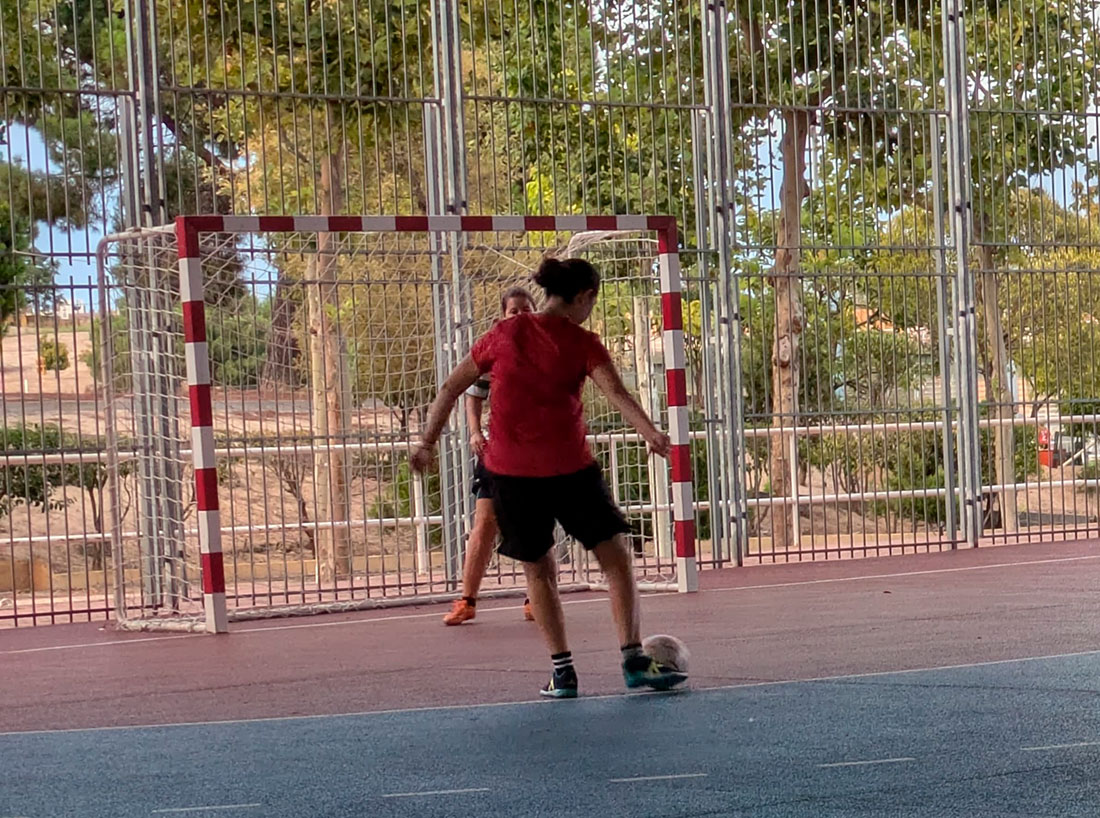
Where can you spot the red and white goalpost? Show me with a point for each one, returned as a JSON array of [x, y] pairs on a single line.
[[204, 464], [133, 278]]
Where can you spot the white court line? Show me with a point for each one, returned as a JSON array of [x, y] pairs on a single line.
[[925, 572], [656, 778], [867, 763], [1061, 746], [397, 711], [601, 599], [274, 628], [434, 792], [210, 808], [103, 644]]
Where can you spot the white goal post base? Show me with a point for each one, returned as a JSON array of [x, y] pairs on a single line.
[[199, 624]]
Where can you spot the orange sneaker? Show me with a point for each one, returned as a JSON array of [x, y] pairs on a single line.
[[527, 614], [459, 613]]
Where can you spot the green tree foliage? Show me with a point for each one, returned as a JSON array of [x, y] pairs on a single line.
[[237, 336], [397, 498], [851, 357], [32, 484], [47, 51], [1050, 303], [25, 274], [44, 486], [392, 345], [237, 339]]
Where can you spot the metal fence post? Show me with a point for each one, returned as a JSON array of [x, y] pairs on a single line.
[[720, 147], [442, 316], [142, 48], [713, 384], [964, 314], [162, 505], [448, 74], [943, 327], [112, 491], [451, 180], [129, 175], [420, 511]]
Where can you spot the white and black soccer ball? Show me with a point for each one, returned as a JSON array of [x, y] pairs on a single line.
[[668, 650]]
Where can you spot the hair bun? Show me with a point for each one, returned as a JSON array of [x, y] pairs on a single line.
[[549, 271], [566, 278]]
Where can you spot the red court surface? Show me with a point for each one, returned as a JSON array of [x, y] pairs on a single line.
[[752, 625]]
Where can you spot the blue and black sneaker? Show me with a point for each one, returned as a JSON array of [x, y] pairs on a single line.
[[562, 685], [640, 670]]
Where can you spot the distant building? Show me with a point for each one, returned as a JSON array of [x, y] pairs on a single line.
[[60, 308]]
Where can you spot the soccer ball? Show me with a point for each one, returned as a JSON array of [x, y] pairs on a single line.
[[668, 650]]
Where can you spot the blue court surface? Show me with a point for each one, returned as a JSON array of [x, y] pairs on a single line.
[[1012, 738]]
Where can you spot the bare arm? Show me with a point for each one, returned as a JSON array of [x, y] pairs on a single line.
[[457, 382], [608, 380], [474, 406], [473, 413]]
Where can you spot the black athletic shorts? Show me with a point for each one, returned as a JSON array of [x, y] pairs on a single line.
[[526, 508], [482, 484]]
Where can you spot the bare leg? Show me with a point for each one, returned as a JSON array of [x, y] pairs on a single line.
[[614, 559], [479, 548], [542, 588]]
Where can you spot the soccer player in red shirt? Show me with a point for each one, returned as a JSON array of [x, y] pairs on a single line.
[[541, 464]]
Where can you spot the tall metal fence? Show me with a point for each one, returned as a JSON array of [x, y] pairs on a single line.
[[890, 243]]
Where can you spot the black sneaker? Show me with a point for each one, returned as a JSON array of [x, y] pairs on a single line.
[[562, 685], [643, 671]]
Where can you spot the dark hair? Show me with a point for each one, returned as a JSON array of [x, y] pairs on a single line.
[[567, 277], [514, 292]]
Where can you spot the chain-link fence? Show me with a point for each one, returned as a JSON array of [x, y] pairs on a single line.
[[889, 239]]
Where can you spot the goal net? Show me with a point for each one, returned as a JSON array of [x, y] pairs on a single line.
[[267, 376]]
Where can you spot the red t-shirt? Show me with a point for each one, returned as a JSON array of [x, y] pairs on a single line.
[[539, 363]]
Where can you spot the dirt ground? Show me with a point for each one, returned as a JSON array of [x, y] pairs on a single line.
[[19, 371]]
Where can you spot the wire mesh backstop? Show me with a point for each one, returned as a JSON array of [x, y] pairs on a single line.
[[266, 384]]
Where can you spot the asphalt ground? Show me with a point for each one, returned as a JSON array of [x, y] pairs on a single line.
[[963, 683]]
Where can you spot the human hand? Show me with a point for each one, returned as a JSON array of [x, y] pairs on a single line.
[[422, 458], [658, 443], [477, 443]]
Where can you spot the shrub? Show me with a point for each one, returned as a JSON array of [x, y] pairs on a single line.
[[53, 355], [396, 498], [1090, 472]]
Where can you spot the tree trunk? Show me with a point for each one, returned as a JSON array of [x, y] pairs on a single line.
[[788, 324], [1004, 435], [95, 499], [282, 346], [290, 473], [329, 385]]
